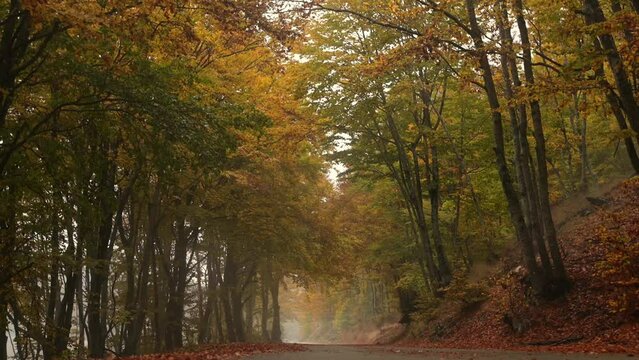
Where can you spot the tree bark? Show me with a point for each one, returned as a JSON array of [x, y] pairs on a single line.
[[159, 301], [519, 124], [99, 255], [550, 235], [230, 282], [408, 187], [13, 45], [4, 325], [409, 180], [617, 109], [594, 15], [133, 330], [79, 294], [276, 330], [264, 296], [621, 122], [63, 311], [250, 310], [54, 293], [218, 303], [498, 133], [177, 285], [432, 178], [204, 329]]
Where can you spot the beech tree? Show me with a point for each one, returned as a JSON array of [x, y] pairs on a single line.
[[456, 36], [168, 170]]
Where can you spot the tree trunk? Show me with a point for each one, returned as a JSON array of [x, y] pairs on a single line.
[[135, 325], [407, 299], [250, 308], [99, 276], [4, 325], [498, 133], [159, 302], [405, 180], [238, 314], [177, 286], [97, 330], [230, 282], [567, 149], [615, 5], [434, 195], [14, 44], [432, 178], [54, 293], [550, 235], [409, 180], [578, 124], [276, 330], [79, 294], [617, 110], [204, 328], [264, 296], [218, 303], [63, 313], [228, 314], [621, 122], [176, 271], [235, 310], [519, 124], [594, 15]]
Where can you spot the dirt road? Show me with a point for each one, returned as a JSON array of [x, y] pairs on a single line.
[[337, 352]]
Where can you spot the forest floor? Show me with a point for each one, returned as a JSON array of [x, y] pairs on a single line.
[[359, 352], [222, 352], [600, 312], [354, 352]]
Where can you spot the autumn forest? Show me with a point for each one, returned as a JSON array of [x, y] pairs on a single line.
[[177, 175]]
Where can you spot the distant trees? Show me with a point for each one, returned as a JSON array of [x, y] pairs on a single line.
[[383, 75], [150, 178]]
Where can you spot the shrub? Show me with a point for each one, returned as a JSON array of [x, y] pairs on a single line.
[[469, 294]]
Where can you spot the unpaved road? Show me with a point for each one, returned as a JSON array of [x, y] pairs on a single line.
[[338, 352]]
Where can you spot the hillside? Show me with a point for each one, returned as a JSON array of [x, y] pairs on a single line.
[[600, 312]]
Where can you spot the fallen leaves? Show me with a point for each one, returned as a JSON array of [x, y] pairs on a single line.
[[599, 256], [220, 352]]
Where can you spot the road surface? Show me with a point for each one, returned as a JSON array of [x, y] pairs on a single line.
[[338, 352]]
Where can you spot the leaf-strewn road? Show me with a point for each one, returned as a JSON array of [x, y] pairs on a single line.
[[335, 352]]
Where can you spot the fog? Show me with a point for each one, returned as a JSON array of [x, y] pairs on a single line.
[[345, 313]]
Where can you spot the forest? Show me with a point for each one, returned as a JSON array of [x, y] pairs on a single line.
[[181, 173]]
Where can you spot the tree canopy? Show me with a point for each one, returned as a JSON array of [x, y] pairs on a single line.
[[167, 168]]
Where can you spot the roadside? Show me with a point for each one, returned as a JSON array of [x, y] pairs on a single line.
[[599, 235], [333, 352], [221, 352]]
